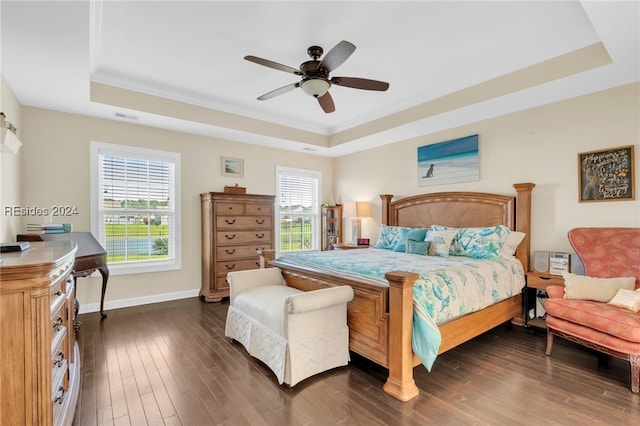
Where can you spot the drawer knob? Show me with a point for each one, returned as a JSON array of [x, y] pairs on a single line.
[[59, 293], [260, 222], [230, 222], [230, 251], [230, 266], [229, 237], [259, 235]]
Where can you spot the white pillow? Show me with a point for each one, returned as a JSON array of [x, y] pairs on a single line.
[[598, 289], [513, 241], [627, 299]]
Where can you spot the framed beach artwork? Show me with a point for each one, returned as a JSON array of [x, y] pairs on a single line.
[[232, 167], [450, 161], [606, 175]]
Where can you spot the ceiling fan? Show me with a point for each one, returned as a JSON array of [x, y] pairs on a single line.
[[315, 75]]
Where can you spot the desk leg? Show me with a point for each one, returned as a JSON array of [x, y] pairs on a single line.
[[104, 271]]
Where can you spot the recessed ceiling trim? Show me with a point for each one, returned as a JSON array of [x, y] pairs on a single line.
[[587, 58], [137, 101]]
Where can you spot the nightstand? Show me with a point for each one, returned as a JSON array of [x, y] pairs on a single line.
[[349, 246], [537, 281]]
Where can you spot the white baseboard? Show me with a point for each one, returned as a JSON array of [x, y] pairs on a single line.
[[137, 301]]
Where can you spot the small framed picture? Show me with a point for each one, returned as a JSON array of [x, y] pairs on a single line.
[[606, 175], [232, 167]]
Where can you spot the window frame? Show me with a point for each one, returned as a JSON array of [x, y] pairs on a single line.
[[316, 210], [97, 149]]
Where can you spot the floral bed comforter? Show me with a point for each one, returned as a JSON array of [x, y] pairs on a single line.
[[448, 287]]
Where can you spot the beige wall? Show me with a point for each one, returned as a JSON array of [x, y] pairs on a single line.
[[55, 171], [9, 167], [538, 145]]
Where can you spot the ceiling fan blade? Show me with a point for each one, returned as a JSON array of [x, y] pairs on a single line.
[[326, 102], [280, 91], [337, 55], [360, 83], [271, 64]]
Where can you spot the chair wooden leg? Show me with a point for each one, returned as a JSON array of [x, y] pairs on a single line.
[[634, 363], [549, 342]]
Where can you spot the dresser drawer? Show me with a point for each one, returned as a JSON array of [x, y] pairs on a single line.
[[244, 222], [59, 361], [57, 290], [237, 265], [225, 267], [236, 252], [542, 282], [229, 208], [231, 237], [259, 209], [222, 285], [58, 324]]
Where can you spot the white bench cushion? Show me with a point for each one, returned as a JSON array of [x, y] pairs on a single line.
[[266, 305]]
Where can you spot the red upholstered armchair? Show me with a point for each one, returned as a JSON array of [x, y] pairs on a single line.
[[606, 253]]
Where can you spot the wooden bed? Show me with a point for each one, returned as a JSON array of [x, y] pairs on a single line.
[[380, 318]]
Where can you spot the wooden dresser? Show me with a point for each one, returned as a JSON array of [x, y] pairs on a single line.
[[39, 355], [234, 228]]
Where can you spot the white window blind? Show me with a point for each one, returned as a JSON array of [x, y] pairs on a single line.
[[299, 209], [136, 205]]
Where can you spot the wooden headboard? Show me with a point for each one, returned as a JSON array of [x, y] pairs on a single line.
[[465, 209]]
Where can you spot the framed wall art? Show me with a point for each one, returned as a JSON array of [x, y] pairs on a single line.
[[232, 167], [606, 175], [450, 161]]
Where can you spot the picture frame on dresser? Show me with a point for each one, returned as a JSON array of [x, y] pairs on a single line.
[[606, 175]]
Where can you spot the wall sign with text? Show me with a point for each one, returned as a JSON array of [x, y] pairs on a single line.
[[606, 175]]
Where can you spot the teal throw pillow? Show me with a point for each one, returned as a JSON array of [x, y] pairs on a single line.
[[417, 247], [409, 234]]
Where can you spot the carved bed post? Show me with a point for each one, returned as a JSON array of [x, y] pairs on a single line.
[[523, 221], [386, 203], [400, 383]]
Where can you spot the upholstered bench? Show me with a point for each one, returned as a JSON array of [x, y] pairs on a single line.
[[296, 334]]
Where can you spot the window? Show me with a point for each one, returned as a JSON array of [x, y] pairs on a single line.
[[299, 209], [135, 207]]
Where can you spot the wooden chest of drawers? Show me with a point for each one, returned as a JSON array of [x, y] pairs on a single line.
[[234, 228], [40, 372]]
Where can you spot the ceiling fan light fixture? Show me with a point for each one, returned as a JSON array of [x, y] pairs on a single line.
[[315, 86]]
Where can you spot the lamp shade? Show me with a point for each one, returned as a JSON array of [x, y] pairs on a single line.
[[363, 209]]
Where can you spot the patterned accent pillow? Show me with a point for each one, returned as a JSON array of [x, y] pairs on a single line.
[[478, 243], [388, 236], [409, 234], [418, 247], [440, 241]]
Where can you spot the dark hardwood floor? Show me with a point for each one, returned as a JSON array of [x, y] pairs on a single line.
[[170, 364]]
